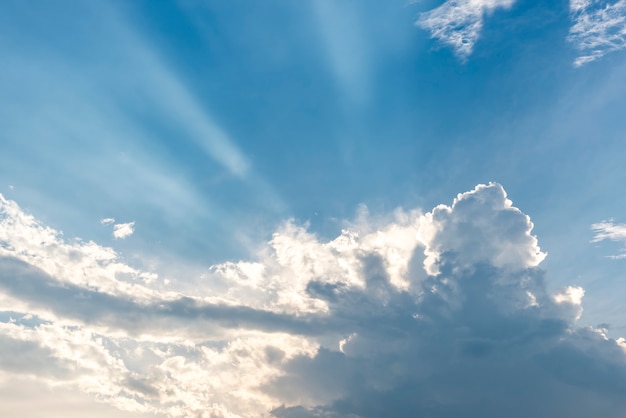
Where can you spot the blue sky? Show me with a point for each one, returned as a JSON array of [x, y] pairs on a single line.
[[230, 154]]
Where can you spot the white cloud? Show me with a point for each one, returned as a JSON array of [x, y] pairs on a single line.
[[122, 231], [459, 23], [608, 230], [599, 28], [372, 323], [107, 221], [471, 229]]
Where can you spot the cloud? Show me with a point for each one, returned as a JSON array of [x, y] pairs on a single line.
[[599, 28], [439, 314], [122, 231], [471, 229], [608, 230], [458, 23], [482, 337]]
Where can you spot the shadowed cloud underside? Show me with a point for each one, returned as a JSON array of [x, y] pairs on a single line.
[[441, 314]]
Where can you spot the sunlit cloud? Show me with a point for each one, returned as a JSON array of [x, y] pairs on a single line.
[[402, 314]]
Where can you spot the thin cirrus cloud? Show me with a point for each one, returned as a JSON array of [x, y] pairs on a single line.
[[599, 28], [458, 23], [441, 314], [609, 230]]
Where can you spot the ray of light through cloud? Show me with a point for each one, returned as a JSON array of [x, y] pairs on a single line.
[[346, 46], [100, 113], [298, 210]]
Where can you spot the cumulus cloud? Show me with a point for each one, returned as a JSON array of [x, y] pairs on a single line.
[[441, 314], [599, 27], [121, 231], [608, 230], [458, 23]]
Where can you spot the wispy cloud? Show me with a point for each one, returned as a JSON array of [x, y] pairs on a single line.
[[458, 23], [608, 230], [410, 314], [599, 28]]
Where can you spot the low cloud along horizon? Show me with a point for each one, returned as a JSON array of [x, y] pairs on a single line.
[[437, 314]]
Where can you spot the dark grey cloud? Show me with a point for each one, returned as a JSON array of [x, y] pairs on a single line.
[[92, 306], [478, 341], [437, 315]]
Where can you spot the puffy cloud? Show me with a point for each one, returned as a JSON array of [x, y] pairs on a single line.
[[608, 230], [458, 23], [599, 28], [480, 226], [482, 337], [439, 314], [121, 231]]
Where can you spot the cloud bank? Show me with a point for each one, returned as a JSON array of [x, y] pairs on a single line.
[[441, 314], [599, 28], [458, 23]]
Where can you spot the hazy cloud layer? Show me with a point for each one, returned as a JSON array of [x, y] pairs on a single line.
[[442, 314], [458, 23], [599, 27]]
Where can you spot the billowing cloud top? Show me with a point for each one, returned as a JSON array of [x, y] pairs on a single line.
[[472, 229], [377, 322]]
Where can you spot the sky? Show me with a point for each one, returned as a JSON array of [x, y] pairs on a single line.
[[321, 208]]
